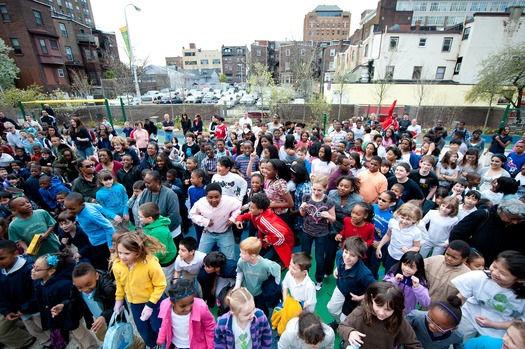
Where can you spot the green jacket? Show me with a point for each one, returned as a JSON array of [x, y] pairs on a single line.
[[160, 230]]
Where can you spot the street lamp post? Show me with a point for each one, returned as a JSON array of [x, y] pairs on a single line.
[[133, 66], [321, 87]]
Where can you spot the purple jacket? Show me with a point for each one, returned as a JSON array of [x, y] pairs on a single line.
[[201, 325], [412, 295], [259, 328]]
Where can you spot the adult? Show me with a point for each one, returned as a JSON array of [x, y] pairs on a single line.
[[343, 169], [287, 151], [498, 143], [81, 138], [122, 148], [197, 125], [275, 124], [465, 134], [47, 119], [107, 163], [168, 126], [323, 165], [185, 123], [337, 134], [152, 129], [87, 181], [494, 171], [245, 120], [166, 199], [438, 133], [404, 123], [4, 119], [49, 110], [495, 230], [5, 159], [358, 129], [141, 136], [476, 141], [439, 126], [52, 131], [221, 130], [33, 123], [414, 128], [372, 181], [14, 139], [149, 160]]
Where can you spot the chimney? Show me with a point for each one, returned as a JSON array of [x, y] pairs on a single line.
[[192, 46]]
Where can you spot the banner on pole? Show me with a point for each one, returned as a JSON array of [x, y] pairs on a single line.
[[125, 36]]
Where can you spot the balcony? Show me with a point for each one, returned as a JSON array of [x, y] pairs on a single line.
[[86, 38]]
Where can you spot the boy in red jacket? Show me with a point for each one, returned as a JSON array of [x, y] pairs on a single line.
[[275, 235]]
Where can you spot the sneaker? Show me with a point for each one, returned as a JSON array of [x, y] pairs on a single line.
[[334, 325], [318, 286]]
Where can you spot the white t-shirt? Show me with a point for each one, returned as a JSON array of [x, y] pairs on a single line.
[[416, 129], [495, 198], [322, 168], [439, 228], [243, 338], [192, 267], [462, 213], [487, 298], [180, 327], [303, 291], [401, 238]]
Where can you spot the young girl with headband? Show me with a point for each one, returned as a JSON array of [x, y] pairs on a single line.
[[186, 320]]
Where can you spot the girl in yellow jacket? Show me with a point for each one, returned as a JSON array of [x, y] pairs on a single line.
[[139, 277]]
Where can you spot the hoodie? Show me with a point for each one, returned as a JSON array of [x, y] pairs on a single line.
[[160, 229], [49, 195]]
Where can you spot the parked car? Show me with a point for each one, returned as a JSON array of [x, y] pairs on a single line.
[[247, 99], [147, 100]]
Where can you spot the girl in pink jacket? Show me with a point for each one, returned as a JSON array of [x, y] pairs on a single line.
[[186, 320]]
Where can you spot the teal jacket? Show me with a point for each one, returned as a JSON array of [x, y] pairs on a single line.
[[160, 230]]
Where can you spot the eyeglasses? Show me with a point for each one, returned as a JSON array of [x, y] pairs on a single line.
[[381, 199], [442, 330], [88, 166], [37, 269]]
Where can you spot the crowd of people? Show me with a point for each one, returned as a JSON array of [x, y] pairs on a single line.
[[425, 243]]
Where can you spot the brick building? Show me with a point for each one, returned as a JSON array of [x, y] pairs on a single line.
[[326, 23], [234, 63], [266, 53]]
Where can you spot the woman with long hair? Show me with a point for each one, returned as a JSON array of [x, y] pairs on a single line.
[[81, 138], [185, 123], [323, 165]]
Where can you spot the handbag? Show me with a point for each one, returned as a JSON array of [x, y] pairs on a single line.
[[120, 334]]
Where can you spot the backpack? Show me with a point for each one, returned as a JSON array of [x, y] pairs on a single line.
[[120, 334], [222, 307]]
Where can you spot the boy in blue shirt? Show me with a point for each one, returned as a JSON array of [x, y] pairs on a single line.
[[196, 191], [97, 227]]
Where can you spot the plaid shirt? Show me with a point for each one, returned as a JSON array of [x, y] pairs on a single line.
[[209, 165], [300, 190]]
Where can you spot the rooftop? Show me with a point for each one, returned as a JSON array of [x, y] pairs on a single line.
[[325, 8]]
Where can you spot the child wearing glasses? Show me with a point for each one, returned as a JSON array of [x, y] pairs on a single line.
[[437, 328], [186, 319]]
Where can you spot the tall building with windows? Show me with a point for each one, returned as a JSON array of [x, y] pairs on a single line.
[[326, 23], [194, 58], [266, 53], [78, 10], [234, 63]]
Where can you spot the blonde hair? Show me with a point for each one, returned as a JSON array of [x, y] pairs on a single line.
[[409, 210], [251, 245], [236, 299], [144, 245], [520, 326], [453, 203], [323, 180]]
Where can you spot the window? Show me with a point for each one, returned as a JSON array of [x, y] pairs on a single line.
[[440, 73], [216, 61], [38, 17], [16, 46], [190, 62], [479, 6], [389, 74], [240, 51], [287, 52], [188, 54], [53, 44], [366, 50], [394, 40], [416, 73], [420, 6], [43, 46], [63, 29], [4, 13], [204, 62], [60, 73], [438, 6], [447, 45], [332, 52], [466, 33], [422, 42], [458, 6], [286, 66], [59, 2], [457, 68], [69, 54], [87, 53], [258, 53]]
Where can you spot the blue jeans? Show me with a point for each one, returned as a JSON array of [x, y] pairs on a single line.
[[149, 329], [84, 153], [168, 136], [320, 247], [225, 241], [373, 263]]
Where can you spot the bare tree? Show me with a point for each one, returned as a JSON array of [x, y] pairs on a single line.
[[260, 80], [341, 78], [80, 83]]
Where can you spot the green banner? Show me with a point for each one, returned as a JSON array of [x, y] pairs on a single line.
[[125, 35]]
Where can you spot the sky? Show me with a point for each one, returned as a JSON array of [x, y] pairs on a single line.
[[163, 27]]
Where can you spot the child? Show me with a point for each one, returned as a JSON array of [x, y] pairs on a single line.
[[189, 261], [409, 276], [218, 273], [98, 229], [253, 270], [52, 273], [276, 236], [139, 278], [378, 322], [5, 211], [307, 331], [196, 191], [61, 198], [398, 189], [48, 191], [15, 182], [242, 161], [437, 328], [403, 234], [113, 198], [492, 300], [514, 338], [244, 326], [440, 223], [133, 202], [359, 223], [19, 169], [233, 185], [186, 320], [28, 223], [318, 211], [256, 186], [475, 260], [458, 189], [16, 290], [352, 279], [447, 169], [47, 158], [473, 180], [441, 269], [158, 226], [221, 148], [209, 163], [72, 236], [469, 205]]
